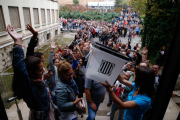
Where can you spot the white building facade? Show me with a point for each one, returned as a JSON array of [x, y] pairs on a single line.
[[42, 15]]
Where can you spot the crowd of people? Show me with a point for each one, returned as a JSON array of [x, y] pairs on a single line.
[[54, 91]]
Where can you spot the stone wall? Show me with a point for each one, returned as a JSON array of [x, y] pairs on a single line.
[[6, 51]]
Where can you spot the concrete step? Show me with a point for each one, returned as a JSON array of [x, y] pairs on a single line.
[[97, 117]]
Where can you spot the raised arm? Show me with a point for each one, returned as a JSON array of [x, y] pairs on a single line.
[[21, 80], [123, 81], [74, 62], [81, 55], [117, 101], [51, 65], [33, 42]]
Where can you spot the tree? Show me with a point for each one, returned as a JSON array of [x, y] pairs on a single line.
[[139, 5], [159, 24], [76, 2], [117, 3]]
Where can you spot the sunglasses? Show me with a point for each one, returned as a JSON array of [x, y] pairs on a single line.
[[69, 75]]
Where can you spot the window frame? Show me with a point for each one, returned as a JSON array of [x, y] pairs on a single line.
[[1, 7], [29, 16], [43, 24], [36, 25], [18, 16]]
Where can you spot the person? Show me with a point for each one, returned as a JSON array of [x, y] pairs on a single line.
[[121, 92], [144, 53], [157, 75], [137, 58], [139, 99], [129, 46], [162, 56], [67, 57], [28, 82], [59, 49], [66, 92], [95, 93]]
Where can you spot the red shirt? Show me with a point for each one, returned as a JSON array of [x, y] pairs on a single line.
[[59, 51]]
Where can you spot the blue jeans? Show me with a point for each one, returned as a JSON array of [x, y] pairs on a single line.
[[110, 101], [92, 113], [113, 110]]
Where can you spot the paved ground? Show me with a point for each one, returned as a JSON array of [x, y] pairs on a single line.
[[171, 113]]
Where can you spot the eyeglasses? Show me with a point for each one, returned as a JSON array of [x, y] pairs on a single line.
[[69, 75]]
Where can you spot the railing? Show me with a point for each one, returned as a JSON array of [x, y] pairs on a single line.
[[6, 88]]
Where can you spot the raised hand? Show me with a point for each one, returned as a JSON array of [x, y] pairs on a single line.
[[70, 51], [107, 86], [53, 46], [16, 37], [35, 33]]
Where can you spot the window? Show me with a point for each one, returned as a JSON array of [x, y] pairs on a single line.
[[48, 36], [27, 17], [57, 18], [43, 18], [2, 25], [14, 17], [52, 12], [48, 16], [36, 16]]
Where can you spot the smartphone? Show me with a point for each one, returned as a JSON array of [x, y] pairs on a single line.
[[49, 71]]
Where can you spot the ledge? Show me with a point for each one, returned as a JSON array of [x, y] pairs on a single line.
[[49, 23], [37, 25], [44, 24], [3, 33]]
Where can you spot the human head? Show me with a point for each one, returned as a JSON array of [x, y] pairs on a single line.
[[59, 47], [40, 55], [145, 64], [164, 47], [156, 69], [55, 61], [34, 67], [56, 55], [127, 75], [144, 79], [136, 44], [64, 53], [80, 62], [65, 71]]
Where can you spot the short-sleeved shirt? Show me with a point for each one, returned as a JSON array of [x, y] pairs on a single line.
[[144, 103], [97, 90]]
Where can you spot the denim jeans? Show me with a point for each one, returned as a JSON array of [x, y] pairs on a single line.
[[110, 101], [92, 113], [113, 110]]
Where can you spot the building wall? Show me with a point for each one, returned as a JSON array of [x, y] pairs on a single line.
[[6, 42], [81, 2]]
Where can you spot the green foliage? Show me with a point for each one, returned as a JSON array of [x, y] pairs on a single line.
[[88, 15], [117, 3], [139, 5], [76, 2], [159, 24]]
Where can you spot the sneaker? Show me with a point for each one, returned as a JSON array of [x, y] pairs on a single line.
[[108, 114], [109, 104]]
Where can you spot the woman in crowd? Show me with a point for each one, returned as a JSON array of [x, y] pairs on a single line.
[[66, 92], [28, 82], [144, 53], [139, 99]]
